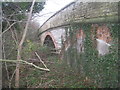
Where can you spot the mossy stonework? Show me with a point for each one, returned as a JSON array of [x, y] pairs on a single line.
[[102, 69], [90, 39]]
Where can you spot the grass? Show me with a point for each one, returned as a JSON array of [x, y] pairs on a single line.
[[60, 76]]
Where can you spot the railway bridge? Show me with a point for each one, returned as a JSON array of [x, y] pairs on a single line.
[[96, 14], [86, 34]]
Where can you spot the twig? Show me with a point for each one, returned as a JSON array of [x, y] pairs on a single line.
[[15, 14], [40, 60], [7, 28], [23, 61], [11, 78], [6, 67], [10, 51], [16, 35], [45, 69], [13, 36]]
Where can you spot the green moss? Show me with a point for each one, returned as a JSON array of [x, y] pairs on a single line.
[[106, 19], [103, 70]]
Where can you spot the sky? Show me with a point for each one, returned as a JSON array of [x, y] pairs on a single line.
[[53, 6], [50, 8]]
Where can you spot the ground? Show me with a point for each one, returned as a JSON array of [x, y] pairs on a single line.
[[60, 76]]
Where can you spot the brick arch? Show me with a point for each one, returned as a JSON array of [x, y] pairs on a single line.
[[103, 37], [52, 37], [103, 33], [80, 34]]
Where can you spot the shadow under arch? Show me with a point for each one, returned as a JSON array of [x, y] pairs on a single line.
[[49, 40]]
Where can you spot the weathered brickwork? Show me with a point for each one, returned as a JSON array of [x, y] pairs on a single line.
[[90, 12], [86, 35]]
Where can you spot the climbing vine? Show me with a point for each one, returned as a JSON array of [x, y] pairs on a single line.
[[103, 70]]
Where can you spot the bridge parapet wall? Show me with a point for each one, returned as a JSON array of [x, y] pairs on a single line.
[[89, 12]]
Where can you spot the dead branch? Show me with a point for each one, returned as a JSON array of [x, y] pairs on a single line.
[[10, 51], [8, 28], [11, 78], [6, 67], [23, 61], [41, 60], [13, 35], [16, 35], [45, 69]]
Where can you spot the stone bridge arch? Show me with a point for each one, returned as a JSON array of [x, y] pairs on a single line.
[[48, 39], [80, 13]]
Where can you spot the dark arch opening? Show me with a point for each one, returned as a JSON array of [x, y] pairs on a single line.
[[49, 42]]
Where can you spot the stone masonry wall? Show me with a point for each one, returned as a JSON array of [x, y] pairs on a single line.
[[89, 12]]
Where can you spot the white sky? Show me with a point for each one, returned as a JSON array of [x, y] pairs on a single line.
[[50, 8]]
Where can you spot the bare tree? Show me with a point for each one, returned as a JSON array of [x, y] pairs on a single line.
[[20, 47]]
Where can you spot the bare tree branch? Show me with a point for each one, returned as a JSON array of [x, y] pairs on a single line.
[[41, 60], [23, 61], [20, 47], [11, 78], [8, 28], [13, 36], [6, 67]]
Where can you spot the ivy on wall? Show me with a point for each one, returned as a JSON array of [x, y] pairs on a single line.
[[103, 70]]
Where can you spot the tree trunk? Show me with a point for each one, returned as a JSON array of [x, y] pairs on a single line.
[[20, 47], [17, 68]]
